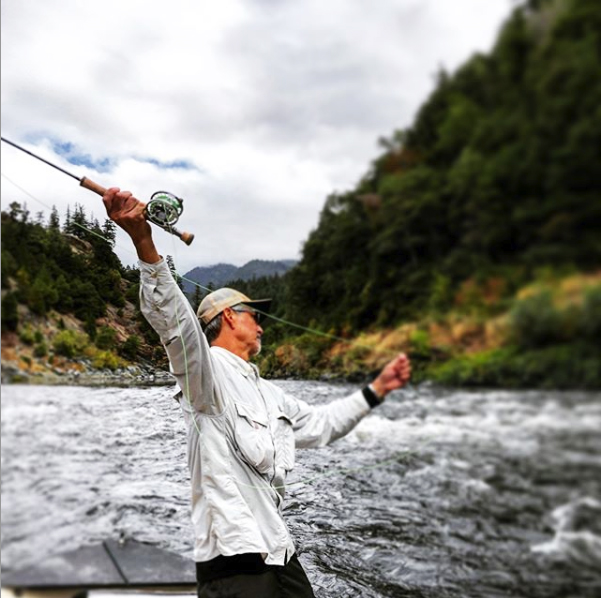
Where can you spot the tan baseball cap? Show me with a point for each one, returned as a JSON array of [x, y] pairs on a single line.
[[214, 303]]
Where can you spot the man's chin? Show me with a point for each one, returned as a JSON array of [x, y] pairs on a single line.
[[257, 349]]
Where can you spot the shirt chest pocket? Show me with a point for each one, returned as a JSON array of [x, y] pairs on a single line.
[[284, 442], [253, 438]]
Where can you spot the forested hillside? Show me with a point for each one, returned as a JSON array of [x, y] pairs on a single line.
[[66, 296], [474, 239], [498, 177]]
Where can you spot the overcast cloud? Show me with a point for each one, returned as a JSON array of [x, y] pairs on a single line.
[[253, 111]]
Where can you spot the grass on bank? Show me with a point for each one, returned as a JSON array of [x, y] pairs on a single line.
[[547, 335]]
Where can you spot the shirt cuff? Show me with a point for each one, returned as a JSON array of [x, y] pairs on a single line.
[[371, 397], [149, 272]]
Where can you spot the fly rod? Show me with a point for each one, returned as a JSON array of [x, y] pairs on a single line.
[[163, 209]]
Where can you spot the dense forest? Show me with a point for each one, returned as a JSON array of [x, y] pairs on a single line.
[[473, 240], [70, 269], [498, 177], [486, 210]]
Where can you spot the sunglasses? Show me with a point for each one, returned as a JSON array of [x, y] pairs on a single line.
[[257, 317]]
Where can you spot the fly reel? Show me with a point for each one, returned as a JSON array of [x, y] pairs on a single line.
[[164, 209]]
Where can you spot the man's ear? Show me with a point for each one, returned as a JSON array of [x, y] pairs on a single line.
[[228, 317]]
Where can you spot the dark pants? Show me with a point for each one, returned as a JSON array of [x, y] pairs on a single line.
[[247, 576]]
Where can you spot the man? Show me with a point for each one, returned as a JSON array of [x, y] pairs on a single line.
[[242, 430]]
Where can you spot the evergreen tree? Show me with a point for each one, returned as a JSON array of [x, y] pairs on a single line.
[[176, 276], [54, 220]]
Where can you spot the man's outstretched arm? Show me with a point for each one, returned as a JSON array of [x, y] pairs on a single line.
[[316, 426]]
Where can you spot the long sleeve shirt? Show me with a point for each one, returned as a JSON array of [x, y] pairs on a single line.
[[242, 430]]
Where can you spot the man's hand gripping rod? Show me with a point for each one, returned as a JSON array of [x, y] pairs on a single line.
[[163, 209]]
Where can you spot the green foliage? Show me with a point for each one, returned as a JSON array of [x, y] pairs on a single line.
[[535, 322], [40, 350], [440, 293], [129, 349], [420, 345], [42, 294], [106, 360], [559, 366], [106, 338], [49, 274], [90, 327], [27, 335], [10, 312], [9, 268], [69, 343], [500, 170], [590, 316]]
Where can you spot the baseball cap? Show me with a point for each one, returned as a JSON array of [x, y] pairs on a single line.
[[214, 303]]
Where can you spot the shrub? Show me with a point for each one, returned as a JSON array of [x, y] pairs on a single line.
[[90, 327], [40, 350], [535, 322], [560, 366], [106, 360], [69, 343], [590, 316], [10, 313], [420, 344], [129, 349], [26, 335], [106, 338]]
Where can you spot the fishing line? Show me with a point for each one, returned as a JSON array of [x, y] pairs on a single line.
[[199, 285], [89, 230], [167, 227], [267, 487], [341, 471]]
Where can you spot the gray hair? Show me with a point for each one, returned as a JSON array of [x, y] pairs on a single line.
[[213, 328]]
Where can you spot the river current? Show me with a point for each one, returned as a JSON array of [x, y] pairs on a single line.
[[437, 493]]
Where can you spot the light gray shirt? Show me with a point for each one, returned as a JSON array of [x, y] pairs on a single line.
[[242, 430]]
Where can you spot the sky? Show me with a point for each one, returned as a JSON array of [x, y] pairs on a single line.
[[252, 111]]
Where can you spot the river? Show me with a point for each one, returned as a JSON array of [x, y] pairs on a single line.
[[437, 493]]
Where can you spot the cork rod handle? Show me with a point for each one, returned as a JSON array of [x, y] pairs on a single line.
[[92, 186]]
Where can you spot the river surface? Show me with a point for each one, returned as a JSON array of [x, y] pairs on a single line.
[[437, 493]]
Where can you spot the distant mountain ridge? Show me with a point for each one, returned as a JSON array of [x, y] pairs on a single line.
[[221, 274]]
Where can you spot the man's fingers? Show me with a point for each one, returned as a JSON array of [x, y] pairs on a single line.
[[121, 204], [403, 367]]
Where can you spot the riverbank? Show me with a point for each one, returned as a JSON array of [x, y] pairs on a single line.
[[21, 367], [544, 336], [123, 377]]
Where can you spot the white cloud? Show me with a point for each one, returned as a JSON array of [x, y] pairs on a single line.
[[275, 104]]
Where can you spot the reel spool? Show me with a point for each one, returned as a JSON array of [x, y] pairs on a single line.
[[164, 209]]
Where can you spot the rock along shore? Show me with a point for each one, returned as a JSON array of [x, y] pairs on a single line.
[[134, 375]]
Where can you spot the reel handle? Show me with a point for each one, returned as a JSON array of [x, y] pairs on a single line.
[[187, 238]]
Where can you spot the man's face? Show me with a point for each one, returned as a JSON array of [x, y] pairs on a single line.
[[249, 330]]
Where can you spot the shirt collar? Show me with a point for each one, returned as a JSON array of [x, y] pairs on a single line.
[[244, 367]]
